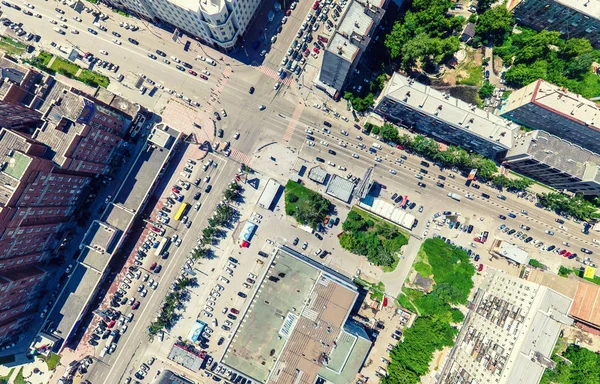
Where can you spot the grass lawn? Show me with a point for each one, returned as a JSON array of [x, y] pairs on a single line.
[[52, 361], [468, 72], [60, 64], [377, 290], [11, 46], [20, 379], [99, 79], [45, 57], [4, 379], [306, 206]]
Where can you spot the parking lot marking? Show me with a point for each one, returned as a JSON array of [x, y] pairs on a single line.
[[293, 121], [240, 156]]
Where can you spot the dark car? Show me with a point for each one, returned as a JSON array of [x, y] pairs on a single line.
[[217, 116], [512, 215], [476, 186], [153, 57], [327, 124], [560, 221], [296, 240], [502, 217], [208, 188], [587, 251], [221, 341], [440, 184], [485, 195], [116, 34], [251, 90], [165, 255], [161, 53], [423, 171], [422, 185], [180, 68], [234, 311], [92, 31], [442, 177], [197, 196], [231, 316], [550, 248], [242, 295], [132, 41], [233, 260], [331, 152], [318, 236], [424, 164], [320, 160], [263, 254], [220, 132], [158, 269]]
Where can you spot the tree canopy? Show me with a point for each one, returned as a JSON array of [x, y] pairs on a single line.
[[584, 367], [306, 206], [495, 23]]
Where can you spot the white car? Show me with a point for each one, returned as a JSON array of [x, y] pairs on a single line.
[[208, 309], [52, 21], [310, 143], [116, 41], [342, 144], [224, 113], [77, 18], [29, 5], [331, 163], [355, 155], [359, 137], [144, 293], [341, 168], [236, 136], [378, 159], [326, 144], [102, 51], [344, 132], [74, 31], [392, 171], [207, 314], [309, 131], [206, 72]]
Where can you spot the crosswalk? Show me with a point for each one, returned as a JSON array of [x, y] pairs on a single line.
[[240, 156], [287, 136], [273, 74]]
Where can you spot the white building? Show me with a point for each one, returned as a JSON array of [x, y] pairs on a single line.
[[217, 22]]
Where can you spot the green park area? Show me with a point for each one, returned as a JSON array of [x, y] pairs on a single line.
[[68, 69], [435, 327], [306, 206], [368, 235], [11, 46]]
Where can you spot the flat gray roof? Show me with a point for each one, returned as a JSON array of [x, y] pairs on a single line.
[[560, 154], [185, 358], [342, 47], [74, 297], [317, 174], [468, 117], [94, 259], [340, 188], [355, 21]]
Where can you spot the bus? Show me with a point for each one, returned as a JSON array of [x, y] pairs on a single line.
[[182, 210], [161, 246]]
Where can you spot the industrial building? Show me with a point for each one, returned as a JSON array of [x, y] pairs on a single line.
[[509, 333], [445, 118], [345, 44], [548, 107], [555, 162], [572, 18], [218, 23], [301, 310], [340, 188]]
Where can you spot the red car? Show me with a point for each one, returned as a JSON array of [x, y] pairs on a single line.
[[340, 234], [568, 254], [480, 268], [306, 53], [175, 190], [86, 54], [316, 5], [288, 12], [136, 305], [203, 77], [233, 310], [153, 266], [385, 302], [192, 72], [562, 252], [316, 50], [478, 239], [399, 146], [111, 324]]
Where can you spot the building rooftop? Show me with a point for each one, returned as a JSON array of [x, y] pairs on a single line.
[[558, 100], [73, 299], [510, 251], [586, 304], [101, 237], [185, 358], [388, 211], [355, 21], [587, 7], [509, 334], [162, 135], [451, 110], [299, 311], [117, 102], [168, 377], [94, 259], [341, 188], [268, 194], [559, 154], [342, 47], [317, 174]]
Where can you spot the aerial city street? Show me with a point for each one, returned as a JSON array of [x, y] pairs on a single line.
[[329, 191]]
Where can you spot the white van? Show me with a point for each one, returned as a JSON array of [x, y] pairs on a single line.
[[211, 61], [376, 145], [175, 59]]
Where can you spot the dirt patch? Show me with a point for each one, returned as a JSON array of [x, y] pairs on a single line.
[[467, 71]]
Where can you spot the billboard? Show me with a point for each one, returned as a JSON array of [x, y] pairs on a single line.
[[589, 272], [472, 174]]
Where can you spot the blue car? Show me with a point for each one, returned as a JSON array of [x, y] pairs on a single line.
[[512, 215]]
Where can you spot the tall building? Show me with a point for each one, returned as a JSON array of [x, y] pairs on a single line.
[[544, 106], [572, 18], [407, 102], [347, 42], [219, 23], [555, 162]]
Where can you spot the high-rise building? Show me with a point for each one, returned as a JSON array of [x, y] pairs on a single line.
[[555, 162], [572, 18], [545, 106], [407, 102], [217, 22]]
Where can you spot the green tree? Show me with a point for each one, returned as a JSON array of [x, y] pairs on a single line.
[[576, 47], [389, 133], [496, 22], [486, 90]]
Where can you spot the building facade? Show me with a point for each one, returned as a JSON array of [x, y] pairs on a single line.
[[346, 43], [572, 18], [219, 23], [407, 102], [555, 162], [545, 106]]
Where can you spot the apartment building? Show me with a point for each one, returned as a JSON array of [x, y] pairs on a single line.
[[555, 162], [417, 106], [572, 18], [545, 106], [218, 23], [347, 43]]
